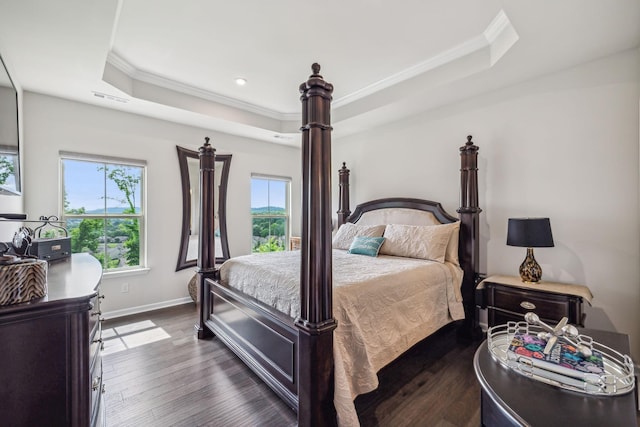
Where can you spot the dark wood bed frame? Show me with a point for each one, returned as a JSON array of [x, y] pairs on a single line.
[[295, 356]]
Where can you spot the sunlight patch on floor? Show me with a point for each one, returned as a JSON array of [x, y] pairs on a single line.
[[132, 335]]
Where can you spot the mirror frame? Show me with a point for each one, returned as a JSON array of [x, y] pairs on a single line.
[[225, 159], [9, 149]]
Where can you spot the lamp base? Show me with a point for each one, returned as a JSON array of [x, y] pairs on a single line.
[[530, 270]]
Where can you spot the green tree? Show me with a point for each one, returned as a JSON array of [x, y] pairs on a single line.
[[86, 236], [272, 245], [268, 232], [265, 227], [6, 169]]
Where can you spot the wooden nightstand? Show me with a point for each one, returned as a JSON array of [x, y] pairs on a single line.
[[294, 243], [507, 298]]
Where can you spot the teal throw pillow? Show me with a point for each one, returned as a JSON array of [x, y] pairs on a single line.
[[366, 245]]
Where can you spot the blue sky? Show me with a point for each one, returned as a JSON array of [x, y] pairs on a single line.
[[85, 187], [268, 193]]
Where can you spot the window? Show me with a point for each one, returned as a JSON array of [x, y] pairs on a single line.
[[103, 205], [9, 164], [270, 213]]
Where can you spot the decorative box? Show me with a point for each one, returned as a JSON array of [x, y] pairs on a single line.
[[22, 281], [50, 241], [51, 249]]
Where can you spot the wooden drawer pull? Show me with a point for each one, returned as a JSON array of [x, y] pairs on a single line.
[[528, 305]]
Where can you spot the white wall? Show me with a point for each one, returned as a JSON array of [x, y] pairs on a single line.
[[52, 124], [563, 146]]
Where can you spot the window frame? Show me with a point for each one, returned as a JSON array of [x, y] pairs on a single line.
[[287, 216], [102, 160], [13, 185]]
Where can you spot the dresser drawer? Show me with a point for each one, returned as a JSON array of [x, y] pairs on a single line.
[[500, 317], [95, 344], [512, 303], [96, 387]]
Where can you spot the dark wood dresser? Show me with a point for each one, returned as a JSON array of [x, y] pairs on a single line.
[[50, 362]]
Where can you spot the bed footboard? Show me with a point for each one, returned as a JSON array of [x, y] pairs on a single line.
[[264, 339]]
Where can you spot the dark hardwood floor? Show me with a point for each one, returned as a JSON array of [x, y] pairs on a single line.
[[158, 374]]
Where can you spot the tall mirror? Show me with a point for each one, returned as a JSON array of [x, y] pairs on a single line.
[[9, 152], [190, 178]]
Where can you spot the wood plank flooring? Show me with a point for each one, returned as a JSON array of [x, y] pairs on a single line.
[[157, 373]]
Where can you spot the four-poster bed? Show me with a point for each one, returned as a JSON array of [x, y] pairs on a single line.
[[295, 355]]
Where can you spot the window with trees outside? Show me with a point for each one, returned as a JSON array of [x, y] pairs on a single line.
[[103, 205], [8, 167], [270, 213]]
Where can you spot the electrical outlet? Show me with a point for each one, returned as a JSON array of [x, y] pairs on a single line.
[[124, 288]]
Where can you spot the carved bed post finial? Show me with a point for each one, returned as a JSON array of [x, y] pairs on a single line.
[[315, 67], [343, 201], [206, 246], [469, 213], [316, 323], [469, 176]]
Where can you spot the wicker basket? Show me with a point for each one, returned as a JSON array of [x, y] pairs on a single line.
[[22, 281]]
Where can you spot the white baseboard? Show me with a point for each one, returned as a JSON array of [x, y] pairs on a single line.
[[143, 308]]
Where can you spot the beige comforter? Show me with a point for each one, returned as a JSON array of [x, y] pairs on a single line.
[[383, 306]]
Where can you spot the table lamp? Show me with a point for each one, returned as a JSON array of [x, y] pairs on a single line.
[[530, 233]]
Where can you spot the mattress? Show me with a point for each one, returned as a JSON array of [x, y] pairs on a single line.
[[383, 306]]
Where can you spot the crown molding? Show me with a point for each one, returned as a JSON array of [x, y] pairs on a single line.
[[121, 64], [144, 76], [499, 24], [464, 49], [492, 33]]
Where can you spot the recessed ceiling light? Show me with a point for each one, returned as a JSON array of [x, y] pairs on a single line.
[[241, 81]]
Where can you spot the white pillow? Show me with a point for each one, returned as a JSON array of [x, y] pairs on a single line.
[[349, 231], [417, 241]]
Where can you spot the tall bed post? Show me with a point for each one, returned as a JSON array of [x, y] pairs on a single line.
[[316, 322], [206, 245], [343, 201], [469, 213]]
